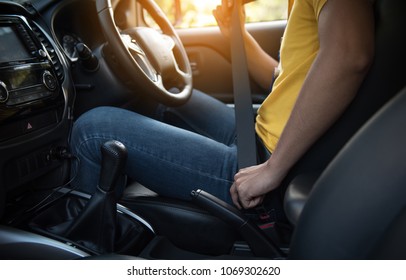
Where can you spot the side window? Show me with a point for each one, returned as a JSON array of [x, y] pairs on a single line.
[[198, 13]]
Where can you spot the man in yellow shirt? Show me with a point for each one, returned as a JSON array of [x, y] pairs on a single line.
[[325, 54]]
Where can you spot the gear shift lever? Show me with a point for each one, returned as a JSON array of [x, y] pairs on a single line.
[[95, 226]]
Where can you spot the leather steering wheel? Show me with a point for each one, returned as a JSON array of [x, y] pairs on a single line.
[[155, 61]]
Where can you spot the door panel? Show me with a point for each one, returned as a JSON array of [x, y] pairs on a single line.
[[209, 55]]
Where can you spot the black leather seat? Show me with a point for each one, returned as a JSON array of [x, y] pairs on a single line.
[[357, 207], [385, 78]]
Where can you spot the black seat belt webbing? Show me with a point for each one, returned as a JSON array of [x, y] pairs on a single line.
[[246, 141]]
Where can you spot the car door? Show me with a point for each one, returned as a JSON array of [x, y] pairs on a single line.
[[209, 51]]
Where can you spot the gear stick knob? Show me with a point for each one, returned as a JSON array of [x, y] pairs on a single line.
[[114, 157]]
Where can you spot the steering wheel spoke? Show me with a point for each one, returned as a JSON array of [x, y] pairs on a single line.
[[140, 57]]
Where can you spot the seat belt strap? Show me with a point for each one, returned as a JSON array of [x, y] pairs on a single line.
[[244, 116]]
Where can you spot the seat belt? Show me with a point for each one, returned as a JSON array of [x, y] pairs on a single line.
[[244, 117], [246, 139]]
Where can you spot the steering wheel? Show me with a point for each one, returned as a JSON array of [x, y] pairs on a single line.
[[155, 61]]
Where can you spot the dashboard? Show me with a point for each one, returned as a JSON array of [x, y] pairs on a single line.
[[45, 86], [30, 73], [36, 97]]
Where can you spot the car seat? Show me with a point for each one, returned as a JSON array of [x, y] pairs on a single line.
[[356, 209], [385, 79]]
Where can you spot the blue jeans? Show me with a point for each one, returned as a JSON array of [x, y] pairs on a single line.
[[185, 148]]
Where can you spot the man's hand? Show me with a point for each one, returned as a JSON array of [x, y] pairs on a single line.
[[260, 64], [222, 14], [252, 184]]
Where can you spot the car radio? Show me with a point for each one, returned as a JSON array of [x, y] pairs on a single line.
[[27, 74]]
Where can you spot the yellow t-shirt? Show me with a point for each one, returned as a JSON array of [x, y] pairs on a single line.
[[299, 48]]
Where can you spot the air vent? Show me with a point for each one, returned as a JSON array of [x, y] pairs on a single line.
[[51, 51]]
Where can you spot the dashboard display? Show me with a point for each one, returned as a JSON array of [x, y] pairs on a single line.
[[21, 77], [11, 47]]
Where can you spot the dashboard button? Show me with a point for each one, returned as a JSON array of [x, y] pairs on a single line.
[[49, 81], [3, 92], [42, 53]]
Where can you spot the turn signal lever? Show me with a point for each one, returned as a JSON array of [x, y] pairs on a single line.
[[89, 60], [259, 243], [95, 226]]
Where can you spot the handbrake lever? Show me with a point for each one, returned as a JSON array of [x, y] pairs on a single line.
[[259, 243]]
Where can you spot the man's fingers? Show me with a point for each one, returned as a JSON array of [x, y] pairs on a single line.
[[251, 202], [234, 196]]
